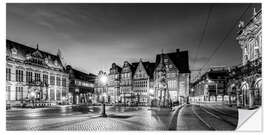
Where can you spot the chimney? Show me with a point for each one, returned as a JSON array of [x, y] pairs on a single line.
[[177, 50]]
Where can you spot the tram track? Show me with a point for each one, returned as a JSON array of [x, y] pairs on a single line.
[[211, 120], [201, 119], [218, 116], [223, 113]]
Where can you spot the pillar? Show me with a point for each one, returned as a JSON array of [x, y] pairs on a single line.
[[251, 98], [230, 100]]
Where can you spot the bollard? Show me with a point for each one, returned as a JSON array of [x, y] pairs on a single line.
[[103, 114]]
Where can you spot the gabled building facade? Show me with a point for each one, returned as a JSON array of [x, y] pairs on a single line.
[[35, 76], [142, 82], [126, 83], [171, 74], [114, 78]]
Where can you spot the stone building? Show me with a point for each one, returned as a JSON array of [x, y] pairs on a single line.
[[211, 86], [142, 82], [246, 79], [81, 86], [171, 78], [34, 76], [126, 94], [114, 78]]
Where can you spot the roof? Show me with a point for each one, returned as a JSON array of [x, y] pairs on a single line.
[[81, 75], [118, 68], [23, 51], [250, 21], [134, 67], [180, 60], [150, 68]]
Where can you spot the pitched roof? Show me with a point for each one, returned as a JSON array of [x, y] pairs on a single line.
[[23, 50], [81, 75], [150, 68], [134, 67], [180, 60], [118, 68]]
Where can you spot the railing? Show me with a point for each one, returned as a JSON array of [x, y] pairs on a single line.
[[251, 68]]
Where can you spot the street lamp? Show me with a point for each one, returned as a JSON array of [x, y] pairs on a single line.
[[33, 94], [192, 90], [103, 79]]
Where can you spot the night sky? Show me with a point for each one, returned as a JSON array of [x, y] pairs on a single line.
[[93, 36]]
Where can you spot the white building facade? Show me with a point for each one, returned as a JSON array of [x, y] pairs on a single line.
[[32, 74]]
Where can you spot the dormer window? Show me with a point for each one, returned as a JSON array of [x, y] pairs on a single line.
[[55, 63], [46, 60], [14, 51], [28, 56]]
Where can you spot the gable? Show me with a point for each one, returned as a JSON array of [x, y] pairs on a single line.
[[140, 72]]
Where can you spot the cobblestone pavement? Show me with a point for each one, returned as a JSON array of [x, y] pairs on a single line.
[[119, 118]]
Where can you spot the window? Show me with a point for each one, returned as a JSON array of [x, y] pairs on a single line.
[[64, 82], [8, 93], [19, 75], [165, 60], [45, 79], [58, 81], [58, 95], [28, 76], [37, 77], [8, 74], [52, 80], [52, 95], [19, 93]]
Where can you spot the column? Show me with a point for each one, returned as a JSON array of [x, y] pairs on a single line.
[[251, 98]]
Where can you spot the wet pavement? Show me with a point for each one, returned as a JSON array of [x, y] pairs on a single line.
[[207, 117], [87, 118]]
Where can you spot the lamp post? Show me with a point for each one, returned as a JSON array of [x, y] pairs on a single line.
[[33, 94], [103, 79], [151, 93], [192, 93]]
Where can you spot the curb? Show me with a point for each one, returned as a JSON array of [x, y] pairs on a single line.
[[173, 121]]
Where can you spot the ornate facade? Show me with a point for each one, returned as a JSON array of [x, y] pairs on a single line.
[[34, 75], [114, 83], [246, 79], [171, 78], [126, 94], [142, 82], [138, 83]]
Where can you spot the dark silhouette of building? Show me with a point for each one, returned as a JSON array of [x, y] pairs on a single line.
[[81, 86]]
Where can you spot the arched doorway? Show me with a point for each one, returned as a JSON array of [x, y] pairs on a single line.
[[232, 94], [258, 91], [244, 93]]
